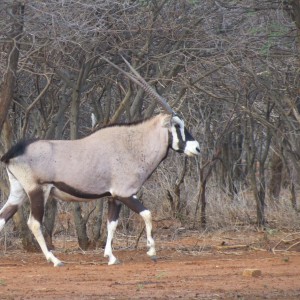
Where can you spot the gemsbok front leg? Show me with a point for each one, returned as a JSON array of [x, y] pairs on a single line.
[[134, 204], [38, 198], [114, 208]]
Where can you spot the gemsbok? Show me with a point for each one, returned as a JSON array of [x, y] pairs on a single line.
[[114, 161]]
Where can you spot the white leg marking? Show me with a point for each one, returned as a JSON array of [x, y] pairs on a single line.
[[17, 194], [146, 215], [2, 223], [46, 191], [111, 228], [16, 197], [35, 227]]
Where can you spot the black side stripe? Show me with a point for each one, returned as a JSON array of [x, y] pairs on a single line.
[[77, 193]]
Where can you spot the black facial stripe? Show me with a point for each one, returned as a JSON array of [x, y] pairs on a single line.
[[77, 193], [181, 142], [178, 132], [188, 136]]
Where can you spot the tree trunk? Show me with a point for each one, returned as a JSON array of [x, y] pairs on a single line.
[[176, 201], [204, 173], [293, 196], [276, 176], [294, 11], [256, 154], [49, 221], [80, 226], [260, 208], [180, 203], [136, 107], [97, 226], [293, 8], [201, 201], [6, 136], [8, 85], [259, 199], [203, 204]]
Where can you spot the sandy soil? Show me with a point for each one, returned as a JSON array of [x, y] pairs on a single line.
[[188, 267]]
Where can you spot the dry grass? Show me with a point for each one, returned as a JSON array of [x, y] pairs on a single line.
[[227, 213]]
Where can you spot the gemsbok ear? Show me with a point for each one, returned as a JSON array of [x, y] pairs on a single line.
[[167, 121], [177, 120]]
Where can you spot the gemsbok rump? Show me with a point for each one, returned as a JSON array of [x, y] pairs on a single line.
[[114, 161]]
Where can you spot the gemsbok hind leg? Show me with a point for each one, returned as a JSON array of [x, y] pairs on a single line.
[[134, 204], [16, 198], [38, 198], [114, 208]]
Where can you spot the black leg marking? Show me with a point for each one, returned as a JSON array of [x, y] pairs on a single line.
[[37, 204], [36, 197], [133, 203], [8, 212], [114, 208]]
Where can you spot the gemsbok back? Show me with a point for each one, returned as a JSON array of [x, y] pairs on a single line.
[[114, 161]]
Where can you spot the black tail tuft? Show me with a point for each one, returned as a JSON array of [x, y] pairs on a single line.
[[16, 150]]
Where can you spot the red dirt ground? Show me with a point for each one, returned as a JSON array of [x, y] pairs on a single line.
[[189, 267]]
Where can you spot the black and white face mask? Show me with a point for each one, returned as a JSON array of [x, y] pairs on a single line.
[[182, 140]]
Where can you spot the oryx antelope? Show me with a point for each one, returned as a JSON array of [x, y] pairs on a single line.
[[113, 161]]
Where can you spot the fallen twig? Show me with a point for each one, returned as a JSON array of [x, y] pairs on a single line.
[[229, 247], [286, 240]]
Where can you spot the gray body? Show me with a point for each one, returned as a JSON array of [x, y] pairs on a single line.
[[116, 159], [113, 161]]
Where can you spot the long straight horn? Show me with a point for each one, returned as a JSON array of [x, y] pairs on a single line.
[[147, 88], [138, 79]]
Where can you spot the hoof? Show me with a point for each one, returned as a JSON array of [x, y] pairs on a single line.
[[60, 264], [116, 262], [154, 258]]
